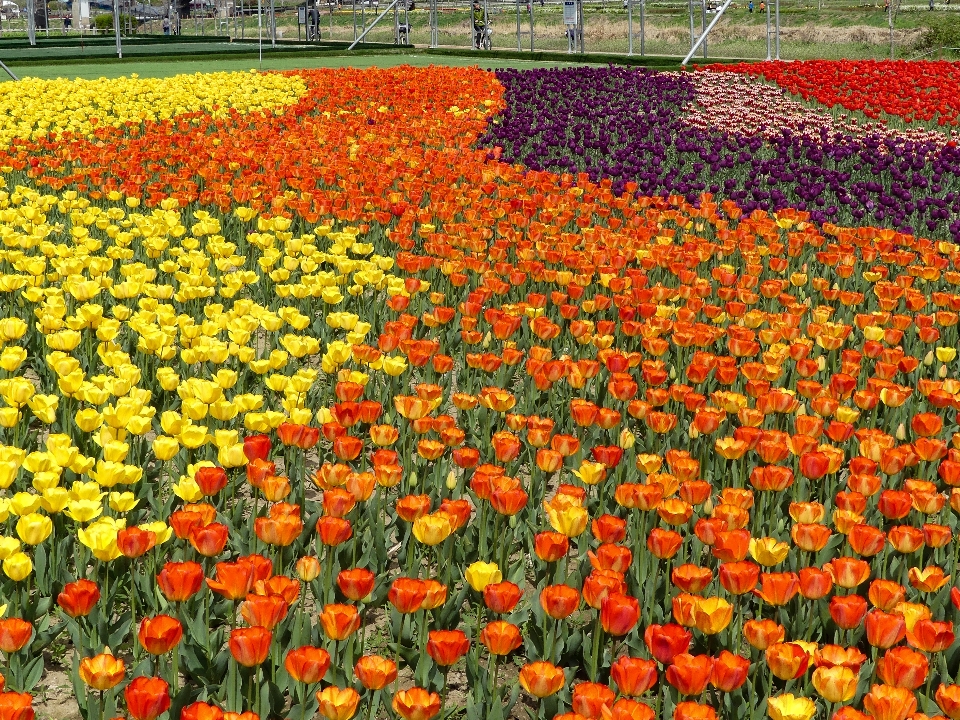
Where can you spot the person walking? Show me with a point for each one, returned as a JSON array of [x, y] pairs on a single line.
[[750, 7]]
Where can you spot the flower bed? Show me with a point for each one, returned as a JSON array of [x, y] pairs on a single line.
[[334, 406], [922, 90]]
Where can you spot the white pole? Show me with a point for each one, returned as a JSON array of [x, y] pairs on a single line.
[[116, 26], [31, 22], [768, 31], [630, 27], [778, 28], [643, 25], [260, 29]]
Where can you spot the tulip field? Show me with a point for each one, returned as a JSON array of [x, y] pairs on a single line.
[[582, 393]]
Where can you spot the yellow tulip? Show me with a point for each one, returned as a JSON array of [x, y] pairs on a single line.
[[571, 521], [165, 447], [34, 528], [232, 456], [193, 436], [431, 529], [480, 574], [86, 491], [8, 546], [24, 503], [53, 500], [122, 502], [18, 566], [12, 358], [768, 551], [789, 707], [187, 490], [946, 354], [9, 470], [83, 511], [591, 473], [101, 538], [160, 529], [9, 417], [394, 366]]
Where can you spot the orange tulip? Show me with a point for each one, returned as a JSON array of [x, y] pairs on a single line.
[[541, 679], [250, 646], [338, 703], [884, 702], [689, 674], [903, 667], [307, 664], [339, 621], [633, 676], [375, 672], [416, 704], [102, 672]]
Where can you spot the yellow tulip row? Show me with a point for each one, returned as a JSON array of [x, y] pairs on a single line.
[[33, 108]]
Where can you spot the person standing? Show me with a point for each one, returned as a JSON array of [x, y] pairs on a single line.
[[479, 26], [750, 7], [166, 26]]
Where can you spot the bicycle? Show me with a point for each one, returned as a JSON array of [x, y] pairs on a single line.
[[482, 38]]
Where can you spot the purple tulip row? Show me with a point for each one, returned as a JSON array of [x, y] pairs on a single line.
[[676, 133]]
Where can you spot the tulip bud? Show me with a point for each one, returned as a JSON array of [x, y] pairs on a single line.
[[821, 363], [451, 481], [627, 439], [901, 433], [413, 477], [942, 373], [928, 358], [693, 432]]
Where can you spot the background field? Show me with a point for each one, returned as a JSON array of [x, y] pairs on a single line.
[[829, 30]]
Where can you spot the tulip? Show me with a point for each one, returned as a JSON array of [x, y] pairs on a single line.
[[204, 711], [375, 672], [356, 584], [930, 636], [790, 707], [619, 614], [179, 581], [689, 710], [102, 672], [307, 664], [761, 634], [134, 542], [689, 674], [559, 601], [338, 703], [234, 580], [884, 630], [948, 699], [416, 704], [729, 671], [340, 621], [502, 597], [665, 642], [16, 706], [551, 546], [147, 697], [500, 637], [592, 699], [889, 703], [407, 595], [633, 676], [250, 646], [480, 574], [78, 598], [159, 635], [14, 634], [835, 684], [787, 661], [447, 646], [848, 611], [541, 679]]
